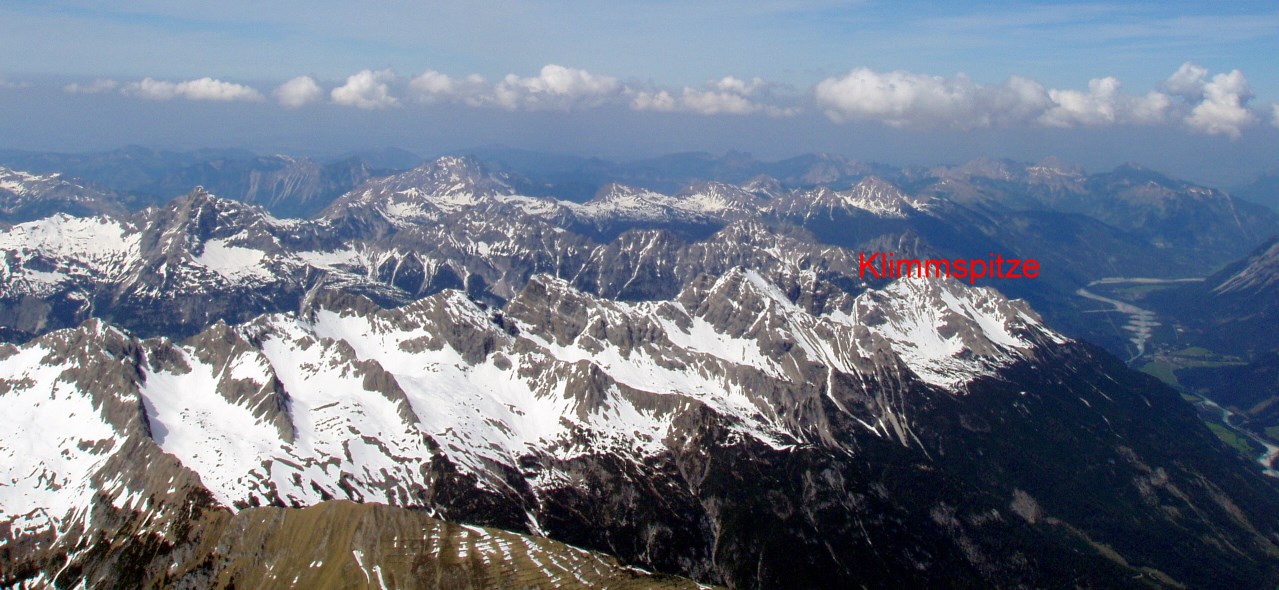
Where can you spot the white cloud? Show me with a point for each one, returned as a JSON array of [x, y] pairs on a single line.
[[555, 88], [201, 89], [738, 86], [98, 86], [726, 96], [905, 99], [432, 87], [1216, 106], [710, 102], [151, 89], [1274, 116], [654, 101], [1223, 110], [1103, 104], [1187, 82], [366, 89], [298, 92], [432, 83], [210, 89], [7, 84]]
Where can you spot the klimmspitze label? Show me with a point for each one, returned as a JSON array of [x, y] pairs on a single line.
[[884, 265]]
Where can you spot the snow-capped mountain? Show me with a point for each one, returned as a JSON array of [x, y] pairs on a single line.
[[618, 426], [454, 185], [871, 195], [697, 383], [202, 257], [135, 177], [450, 223], [25, 196], [443, 378]]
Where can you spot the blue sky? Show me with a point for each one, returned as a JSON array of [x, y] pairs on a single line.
[[765, 76]]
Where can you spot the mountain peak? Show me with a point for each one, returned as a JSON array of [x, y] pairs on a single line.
[[23, 183], [949, 332], [719, 197], [871, 194], [445, 185], [985, 167]]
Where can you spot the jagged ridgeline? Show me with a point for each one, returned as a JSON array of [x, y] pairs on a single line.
[[922, 434], [176, 269], [442, 383]]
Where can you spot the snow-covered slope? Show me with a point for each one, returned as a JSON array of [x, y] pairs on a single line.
[[351, 401], [642, 428], [449, 187], [871, 196], [948, 335], [25, 196], [1259, 275], [44, 254]]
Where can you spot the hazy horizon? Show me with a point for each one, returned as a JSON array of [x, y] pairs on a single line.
[[1179, 87]]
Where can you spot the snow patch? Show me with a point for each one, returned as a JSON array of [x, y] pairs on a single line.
[[234, 262]]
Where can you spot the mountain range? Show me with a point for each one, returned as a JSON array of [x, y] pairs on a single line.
[[435, 225], [650, 386]]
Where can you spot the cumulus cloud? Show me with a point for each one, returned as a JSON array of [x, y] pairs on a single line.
[[366, 89], [432, 87], [555, 88], [654, 101], [1191, 97], [98, 86], [298, 92], [1274, 116], [907, 99], [201, 89], [1218, 105], [728, 95], [1187, 82], [738, 86], [692, 100], [1103, 104], [1223, 110], [1215, 106]]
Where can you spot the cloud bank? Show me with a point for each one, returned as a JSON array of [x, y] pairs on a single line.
[[201, 89], [1191, 97], [1213, 106], [555, 87], [726, 96]]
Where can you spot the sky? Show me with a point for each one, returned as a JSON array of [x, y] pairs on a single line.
[[1189, 88]]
